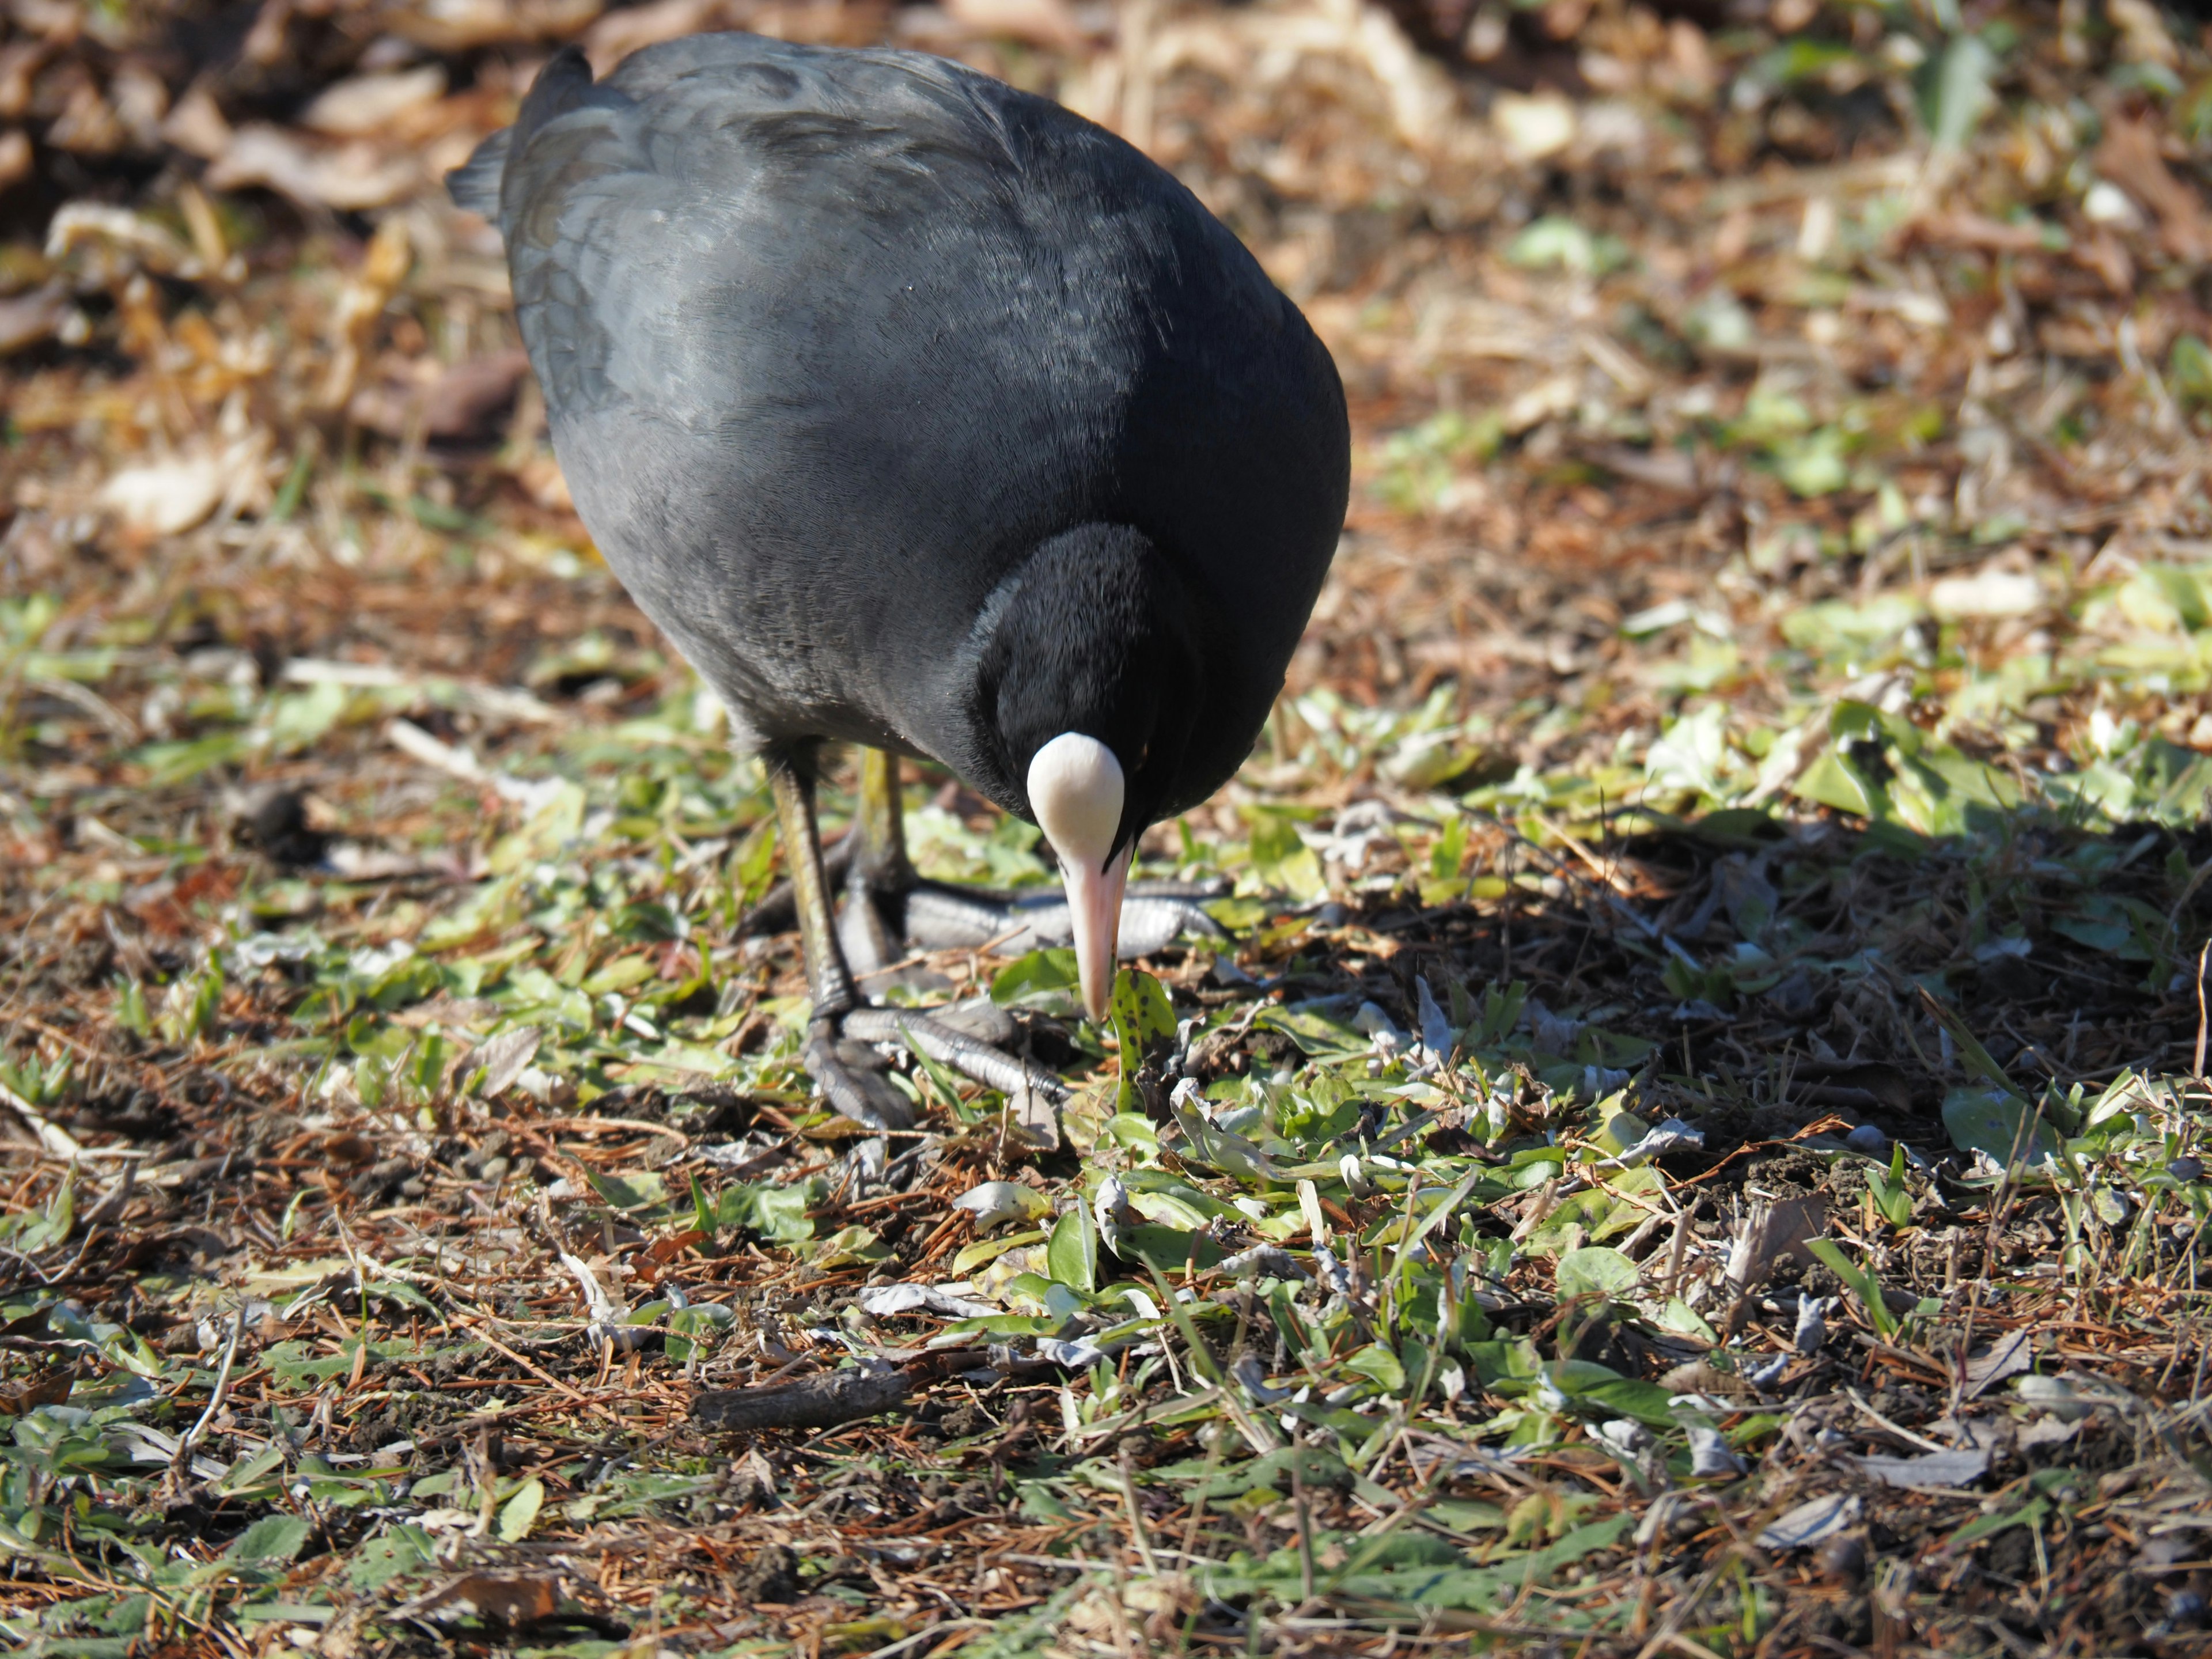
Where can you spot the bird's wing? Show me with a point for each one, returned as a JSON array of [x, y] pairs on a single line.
[[829, 340], [661, 219]]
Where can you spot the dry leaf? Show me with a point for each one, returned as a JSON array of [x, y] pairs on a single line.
[[462, 402], [1049, 23], [350, 177], [501, 1598], [50, 1389], [15, 158], [167, 497], [27, 319], [369, 104], [2129, 157]]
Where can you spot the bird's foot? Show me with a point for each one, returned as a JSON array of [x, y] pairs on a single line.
[[854, 1078], [907, 913], [845, 1055], [935, 915], [883, 924]]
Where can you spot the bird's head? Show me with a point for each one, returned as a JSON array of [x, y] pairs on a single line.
[[1088, 686]]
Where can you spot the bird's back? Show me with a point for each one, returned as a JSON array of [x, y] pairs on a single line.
[[831, 340]]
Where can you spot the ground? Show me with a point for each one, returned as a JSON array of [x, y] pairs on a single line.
[[1697, 1135]]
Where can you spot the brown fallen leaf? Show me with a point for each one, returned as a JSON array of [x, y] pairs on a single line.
[[448, 26], [619, 33], [368, 104], [50, 1389], [27, 319], [2129, 157], [165, 497], [384, 265], [350, 177], [1049, 23], [1979, 230], [462, 402], [196, 126], [494, 1597]]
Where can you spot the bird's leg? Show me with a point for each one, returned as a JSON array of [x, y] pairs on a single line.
[[851, 1076], [889, 910], [878, 876], [879, 884], [880, 821], [827, 976]]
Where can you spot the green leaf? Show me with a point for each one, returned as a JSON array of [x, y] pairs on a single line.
[[1318, 1469], [1143, 1017], [170, 764], [2189, 372], [1988, 1526], [1048, 979], [520, 1512], [1595, 1270], [1200, 1356], [1647, 1402], [1981, 1118], [1281, 859], [972, 1256], [1959, 92], [1679, 1316], [852, 1243], [777, 1213], [619, 974], [1978, 1060], [249, 1472], [1862, 1284], [1315, 1035], [1170, 1249], [1891, 1198], [1071, 1257], [641, 1189], [403, 1550], [1144, 1024], [1378, 1364], [1560, 243], [272, 1538], [298, 720]]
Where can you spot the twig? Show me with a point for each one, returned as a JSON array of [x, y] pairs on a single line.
[[57, 1142], [541, 1374], [192, 1436], [825, 1401], [1897, 1429], [2196, 1066]]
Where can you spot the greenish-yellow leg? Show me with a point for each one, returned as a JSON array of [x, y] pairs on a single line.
[[879, 878], [827, 976]]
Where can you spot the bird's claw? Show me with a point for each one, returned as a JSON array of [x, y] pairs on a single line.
[[844, 1055], [855, 1079], [939, 916]]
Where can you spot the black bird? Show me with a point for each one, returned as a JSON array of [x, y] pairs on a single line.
[[924, 415]]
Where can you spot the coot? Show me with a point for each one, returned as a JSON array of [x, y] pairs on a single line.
[[924, 415]]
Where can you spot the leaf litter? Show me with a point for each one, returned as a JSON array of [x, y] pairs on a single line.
[[1689, 1134]]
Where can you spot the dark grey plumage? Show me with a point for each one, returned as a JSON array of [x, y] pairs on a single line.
[[919, 411]]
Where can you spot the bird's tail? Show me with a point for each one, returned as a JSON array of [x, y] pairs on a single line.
[[474, 185], [560, 86]]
